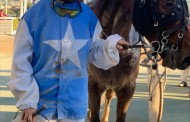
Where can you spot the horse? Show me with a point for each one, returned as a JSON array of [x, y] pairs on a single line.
[[167, 34], [115, 17]]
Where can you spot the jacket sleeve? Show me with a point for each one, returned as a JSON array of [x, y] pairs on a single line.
[[103, 53], [23, 85]]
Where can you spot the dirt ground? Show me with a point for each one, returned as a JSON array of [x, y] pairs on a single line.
[[6, 44], [6, 51]]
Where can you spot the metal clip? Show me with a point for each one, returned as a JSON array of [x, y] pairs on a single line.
[[165, 34], [180, 35], [164, 41], [162, 48], [174, 48], [156, 24], [142, 3]]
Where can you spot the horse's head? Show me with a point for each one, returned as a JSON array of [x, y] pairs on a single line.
[[166, 26]]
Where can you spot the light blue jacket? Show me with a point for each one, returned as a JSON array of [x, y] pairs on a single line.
[[51, 54]]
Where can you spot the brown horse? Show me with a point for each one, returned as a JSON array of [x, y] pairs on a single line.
[[162, 22], [115, 17]]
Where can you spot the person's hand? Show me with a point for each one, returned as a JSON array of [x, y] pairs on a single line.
[[27, 115], [121, 44]]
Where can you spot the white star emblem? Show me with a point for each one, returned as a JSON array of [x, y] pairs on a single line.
[[68, 46]]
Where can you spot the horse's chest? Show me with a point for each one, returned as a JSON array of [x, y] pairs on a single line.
[[120, 75]]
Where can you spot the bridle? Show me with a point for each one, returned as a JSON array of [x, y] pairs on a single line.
[[179, 14], [163, 24]]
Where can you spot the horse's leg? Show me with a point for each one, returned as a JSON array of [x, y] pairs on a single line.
[[94, 102], [124, 97], [108, 97]]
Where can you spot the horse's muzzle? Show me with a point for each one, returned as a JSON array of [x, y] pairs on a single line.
[[175, 60], [186, 62]]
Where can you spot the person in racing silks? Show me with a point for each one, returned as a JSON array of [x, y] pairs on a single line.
[[55, 41]]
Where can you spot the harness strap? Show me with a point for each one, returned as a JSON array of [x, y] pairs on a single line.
[[186, 6], [172, 30]]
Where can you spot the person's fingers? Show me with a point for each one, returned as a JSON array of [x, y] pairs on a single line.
[[30, 118], [121, 44], [27, 115], [23, 114], [118, 46]]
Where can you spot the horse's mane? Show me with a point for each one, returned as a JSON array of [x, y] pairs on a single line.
[[101, 5]]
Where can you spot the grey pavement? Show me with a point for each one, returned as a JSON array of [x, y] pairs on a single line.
[[176, 102]]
